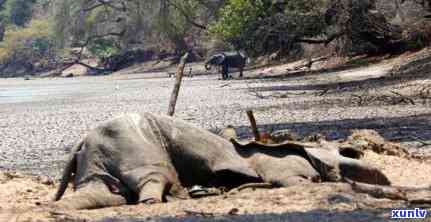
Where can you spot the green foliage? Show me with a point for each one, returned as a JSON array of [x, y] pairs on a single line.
[[29, 44], [173, 26], [103, 48], [236, 17], [262, 26], [18, 12]]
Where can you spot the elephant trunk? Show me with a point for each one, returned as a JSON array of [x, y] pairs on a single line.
[[207, 67], [362, 172], [91, 196]]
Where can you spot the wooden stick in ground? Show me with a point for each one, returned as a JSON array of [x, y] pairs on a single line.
[[178, 78], [253, 125]]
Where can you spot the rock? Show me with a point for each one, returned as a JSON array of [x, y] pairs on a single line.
[[78, 70], [45, 180]]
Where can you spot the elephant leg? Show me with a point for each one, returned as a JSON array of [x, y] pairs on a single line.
[[240, 72], [91, 196], [153, 190], [149, 183], [225, 71]]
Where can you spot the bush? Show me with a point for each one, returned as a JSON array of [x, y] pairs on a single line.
[[264, 27], [418, 35], [103, 48], [27, 46]]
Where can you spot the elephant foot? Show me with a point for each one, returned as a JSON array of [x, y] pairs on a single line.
[[92, 196], [153, 190]]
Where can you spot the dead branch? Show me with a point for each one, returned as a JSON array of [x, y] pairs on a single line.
[[404, 98], [257, 94], [81, 51], [253, 125], [176, 90], [310, 62], [225, 85], [285, 95], [323, 92], [186, 15], [321, 41]]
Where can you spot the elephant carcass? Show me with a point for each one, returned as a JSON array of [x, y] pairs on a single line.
[[227, 60], [144, 158], [149, 158]]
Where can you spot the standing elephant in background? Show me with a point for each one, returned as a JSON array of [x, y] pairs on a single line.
[[227, 60]]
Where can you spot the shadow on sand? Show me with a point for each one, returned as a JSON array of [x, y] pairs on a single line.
[[400, 129]]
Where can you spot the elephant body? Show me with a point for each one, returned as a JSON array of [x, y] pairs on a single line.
[[227, 60], [146, 158]]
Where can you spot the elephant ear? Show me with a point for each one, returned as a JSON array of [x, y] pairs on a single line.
[[219, 59]]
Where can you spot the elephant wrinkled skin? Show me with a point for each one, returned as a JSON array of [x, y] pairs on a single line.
[[147, 158]]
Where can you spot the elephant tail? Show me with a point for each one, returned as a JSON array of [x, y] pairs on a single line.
[[68, 170]]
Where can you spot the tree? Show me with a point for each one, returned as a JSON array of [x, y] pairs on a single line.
[[265, 26], [17, 12]]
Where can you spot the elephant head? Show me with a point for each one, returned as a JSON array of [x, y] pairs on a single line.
[[215, 60]]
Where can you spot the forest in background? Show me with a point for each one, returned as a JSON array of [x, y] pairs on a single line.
[[41, 35]]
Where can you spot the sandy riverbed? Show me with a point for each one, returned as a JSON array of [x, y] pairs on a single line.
[[41, 119]]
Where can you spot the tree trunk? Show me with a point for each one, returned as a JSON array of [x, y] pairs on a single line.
[[253, 125]]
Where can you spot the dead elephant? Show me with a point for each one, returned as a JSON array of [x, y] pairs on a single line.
[[146, 158]]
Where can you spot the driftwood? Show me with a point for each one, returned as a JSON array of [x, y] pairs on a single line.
[[179, 77], [253, 125]]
